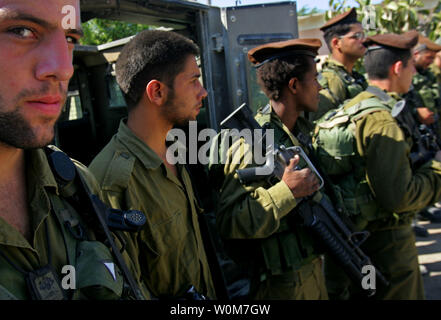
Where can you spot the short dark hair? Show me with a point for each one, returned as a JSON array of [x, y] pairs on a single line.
[[337, 31], [152, 54], [273, 76], [377, 62]]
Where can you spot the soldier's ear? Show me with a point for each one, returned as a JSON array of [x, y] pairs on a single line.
[[156, 92], [292, 85], [335, 43], [397, 67]]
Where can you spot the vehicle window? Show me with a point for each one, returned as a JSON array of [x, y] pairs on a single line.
[[116, 98]]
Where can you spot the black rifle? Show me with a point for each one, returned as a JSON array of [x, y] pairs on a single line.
[[425, 139], [317, 212], [98, 216]]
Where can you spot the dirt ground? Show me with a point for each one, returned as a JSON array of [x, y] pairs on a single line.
[[429, 250]]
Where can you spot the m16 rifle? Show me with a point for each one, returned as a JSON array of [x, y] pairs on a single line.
[[317, 213], [425, 140]]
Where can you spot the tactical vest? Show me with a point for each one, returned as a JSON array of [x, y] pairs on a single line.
[[336, 150], [354, 84], [292, 246]]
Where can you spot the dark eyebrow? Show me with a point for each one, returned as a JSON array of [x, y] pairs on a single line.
[[14, 15]]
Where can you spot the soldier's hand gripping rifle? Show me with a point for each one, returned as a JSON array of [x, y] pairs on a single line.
[[316, 211]]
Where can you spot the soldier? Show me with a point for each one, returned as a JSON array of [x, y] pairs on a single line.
[[344, 36], [366, 154], [424, 82], [159, 77], [427, 101], [41, 231], [257, 220]]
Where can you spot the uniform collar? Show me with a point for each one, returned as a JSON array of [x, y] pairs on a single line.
[[137, 147], [269, 115], [140, 149]]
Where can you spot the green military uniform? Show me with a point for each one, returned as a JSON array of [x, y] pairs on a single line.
[[381, 193], [427, 89], [52, 243], [258, 224], [172, 256], [338, 85]]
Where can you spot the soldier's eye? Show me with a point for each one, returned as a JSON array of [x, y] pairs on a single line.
[[23, 32]]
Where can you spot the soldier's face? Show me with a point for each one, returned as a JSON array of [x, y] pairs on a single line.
[[308, 90], [184, 101], [36, 43], [424, 58], [351, 44]]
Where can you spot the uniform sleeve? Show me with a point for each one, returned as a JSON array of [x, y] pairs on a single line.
[[252, 210], [389, 174]]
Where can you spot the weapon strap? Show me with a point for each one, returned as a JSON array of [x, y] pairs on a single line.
[[84, 199]]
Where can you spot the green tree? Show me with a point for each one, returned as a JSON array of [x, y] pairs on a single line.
[[100, 31], [394, 16], [306, 11]]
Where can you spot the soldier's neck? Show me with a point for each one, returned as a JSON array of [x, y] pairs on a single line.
[[384, 84], [13, 195], [287, 113], [347, 62], [151, 128]]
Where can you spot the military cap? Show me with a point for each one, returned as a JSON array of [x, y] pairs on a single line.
[[348, 17], [405, 41], [275, 50], [425, 43]]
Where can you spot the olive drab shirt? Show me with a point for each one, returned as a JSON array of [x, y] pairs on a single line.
[[384, 150], [258, 212], [18, 256], [171, 252], [338, 85]]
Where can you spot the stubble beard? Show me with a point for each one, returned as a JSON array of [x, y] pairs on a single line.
[[171, 111], [16, 131]]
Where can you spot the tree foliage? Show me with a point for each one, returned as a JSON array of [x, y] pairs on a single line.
[[100, 31], [305, 11], [393, 16]]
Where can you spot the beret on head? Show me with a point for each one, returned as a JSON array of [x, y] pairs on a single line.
[[348, 17], [274, 50], [425, 43], [405, 41]]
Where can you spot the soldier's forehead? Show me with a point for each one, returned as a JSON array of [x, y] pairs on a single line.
[[48, 13]]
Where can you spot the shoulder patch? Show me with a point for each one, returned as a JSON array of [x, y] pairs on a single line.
[[119, 171]]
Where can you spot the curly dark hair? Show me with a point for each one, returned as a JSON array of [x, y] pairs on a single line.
[[273, 76], [151, 54]]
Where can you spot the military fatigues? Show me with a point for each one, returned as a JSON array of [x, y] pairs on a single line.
[[52, 243], [172, 256], [259, 223], [382, 195], [338, 85], [425, 93]]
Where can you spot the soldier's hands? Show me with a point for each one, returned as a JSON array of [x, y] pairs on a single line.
[[425, 116], [438, 156], [303, 182]]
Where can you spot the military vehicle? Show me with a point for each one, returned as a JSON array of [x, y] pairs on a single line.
[[95, 103]]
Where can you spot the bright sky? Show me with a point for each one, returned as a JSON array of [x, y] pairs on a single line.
[[320, 4]]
